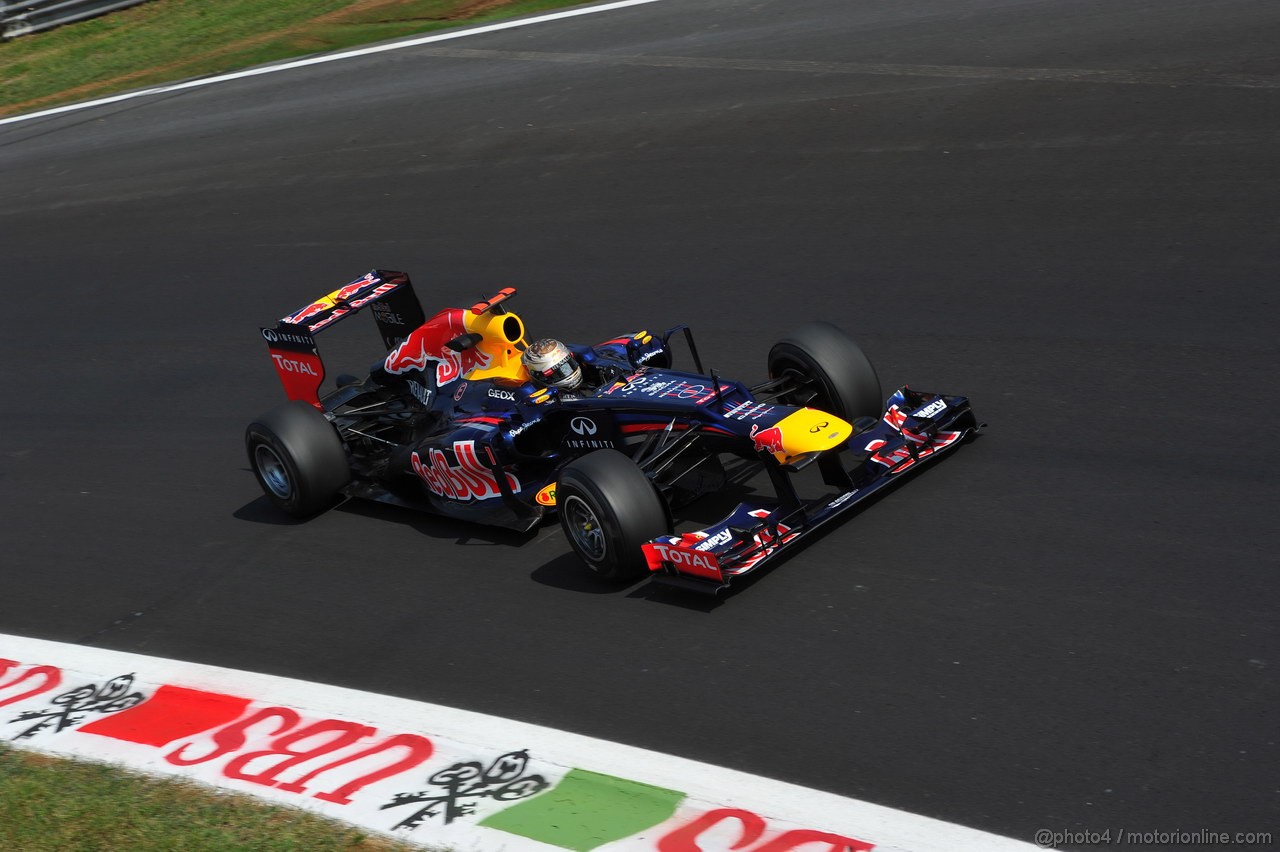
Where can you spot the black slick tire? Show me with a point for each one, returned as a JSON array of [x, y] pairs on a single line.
[[834, 365], [297, 458], [608, 508]]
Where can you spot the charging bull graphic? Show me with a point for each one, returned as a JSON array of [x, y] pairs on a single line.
[[426, 344], [341, 302], [312, 310], [767, 440]]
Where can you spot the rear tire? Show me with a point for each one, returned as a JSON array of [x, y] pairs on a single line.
[[298, 458], [608, 508], [834, 365]]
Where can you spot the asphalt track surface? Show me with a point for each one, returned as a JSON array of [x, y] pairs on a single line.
[[1067, 211]]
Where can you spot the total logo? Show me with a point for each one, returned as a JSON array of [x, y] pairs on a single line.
[[685, 557], [289, 365], [468, 480]]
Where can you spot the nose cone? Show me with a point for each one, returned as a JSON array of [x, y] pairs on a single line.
[[805, 431]]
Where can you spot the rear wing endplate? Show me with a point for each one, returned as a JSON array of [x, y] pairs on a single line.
[[292, 344]]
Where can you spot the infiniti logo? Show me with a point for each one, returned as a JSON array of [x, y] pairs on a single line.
[[582, 426], [270, 335]]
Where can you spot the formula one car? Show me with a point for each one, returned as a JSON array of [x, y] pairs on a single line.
[[451, 421]]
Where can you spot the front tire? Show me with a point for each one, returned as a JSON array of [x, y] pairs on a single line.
[[297, 458], [828, 360], [608, 508]]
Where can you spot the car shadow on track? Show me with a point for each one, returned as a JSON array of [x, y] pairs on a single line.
[[565, 570], [263, 511], [463, 533]]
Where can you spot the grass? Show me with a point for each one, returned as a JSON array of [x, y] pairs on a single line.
[[53, 805], [167, 40]]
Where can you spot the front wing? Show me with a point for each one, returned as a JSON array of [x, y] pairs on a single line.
[[915, 430]]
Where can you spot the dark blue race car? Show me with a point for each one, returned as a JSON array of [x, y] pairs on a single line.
[[452, 421]]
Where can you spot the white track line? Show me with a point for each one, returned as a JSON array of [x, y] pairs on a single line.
[[328, 57]]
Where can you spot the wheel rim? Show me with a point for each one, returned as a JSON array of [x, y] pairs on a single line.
[[585, 529], [273, 471]]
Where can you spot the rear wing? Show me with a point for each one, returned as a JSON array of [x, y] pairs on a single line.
[[292, 344]]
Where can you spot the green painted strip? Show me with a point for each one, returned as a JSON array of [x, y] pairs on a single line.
[[586, 810]]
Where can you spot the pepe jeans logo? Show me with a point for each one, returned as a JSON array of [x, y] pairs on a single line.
[[583, 426]]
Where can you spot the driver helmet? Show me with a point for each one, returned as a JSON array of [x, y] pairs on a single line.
[[551, 363]]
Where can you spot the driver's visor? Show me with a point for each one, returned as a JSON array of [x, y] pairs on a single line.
[[558, 373]]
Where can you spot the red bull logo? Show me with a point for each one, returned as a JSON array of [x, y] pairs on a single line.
[[468, 480], [352, 289], [768, 440], [335, 298], [426, 345], [311, 310]]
